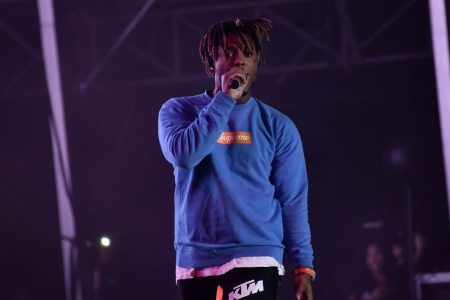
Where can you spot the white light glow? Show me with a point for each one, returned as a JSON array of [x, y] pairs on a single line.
[[438, 21], [105, 241]]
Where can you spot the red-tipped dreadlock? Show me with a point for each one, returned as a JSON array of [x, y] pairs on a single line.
[[249, 32]]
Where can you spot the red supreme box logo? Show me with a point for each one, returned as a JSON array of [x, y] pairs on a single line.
[[235, 137]]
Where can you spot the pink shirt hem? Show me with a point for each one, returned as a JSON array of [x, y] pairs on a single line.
[[240, 262]]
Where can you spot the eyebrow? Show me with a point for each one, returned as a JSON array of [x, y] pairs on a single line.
[[235, 46]]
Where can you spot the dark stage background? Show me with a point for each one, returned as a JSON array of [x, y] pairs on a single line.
[[356, 76]]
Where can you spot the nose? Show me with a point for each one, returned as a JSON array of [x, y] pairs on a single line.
[[239, 59]]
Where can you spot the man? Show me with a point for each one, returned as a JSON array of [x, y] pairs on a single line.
[[241, 186]]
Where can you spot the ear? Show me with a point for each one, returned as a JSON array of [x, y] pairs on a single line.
[[211, 63]]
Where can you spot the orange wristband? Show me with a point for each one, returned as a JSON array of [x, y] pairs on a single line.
[[308, 271]]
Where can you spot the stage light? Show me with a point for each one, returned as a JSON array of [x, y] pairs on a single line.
[[105, 241]]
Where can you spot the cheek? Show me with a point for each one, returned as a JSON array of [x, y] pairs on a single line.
[[219, 66], [254, 72]]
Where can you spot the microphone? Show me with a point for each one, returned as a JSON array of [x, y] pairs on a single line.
[[234, 83]]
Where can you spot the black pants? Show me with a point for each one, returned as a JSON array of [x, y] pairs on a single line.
[[239, 283]]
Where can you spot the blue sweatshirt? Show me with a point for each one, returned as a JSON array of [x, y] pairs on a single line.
[[240, 181]]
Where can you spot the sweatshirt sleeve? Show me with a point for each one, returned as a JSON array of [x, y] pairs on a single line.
[[291, 189], [186, 136]]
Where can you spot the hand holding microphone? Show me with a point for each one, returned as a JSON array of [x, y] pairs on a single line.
[[233, 82]]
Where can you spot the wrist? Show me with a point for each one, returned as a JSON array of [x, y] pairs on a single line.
[[305, 270]]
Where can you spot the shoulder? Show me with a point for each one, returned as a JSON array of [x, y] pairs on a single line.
[[184, 103], [279, 121], [185, 100]]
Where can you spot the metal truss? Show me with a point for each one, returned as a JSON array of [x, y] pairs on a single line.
[[12, 1], [183, 26], [331, 42], [14, 38]]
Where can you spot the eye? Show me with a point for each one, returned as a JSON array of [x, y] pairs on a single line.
[[247, 53], [229, 53]]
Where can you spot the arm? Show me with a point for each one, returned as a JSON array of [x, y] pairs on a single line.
[[291, 189], [187, 136]]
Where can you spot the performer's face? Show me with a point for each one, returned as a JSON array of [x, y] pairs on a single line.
[[236, 56]]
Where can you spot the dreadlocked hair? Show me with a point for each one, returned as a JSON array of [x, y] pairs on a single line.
[[249, 32]]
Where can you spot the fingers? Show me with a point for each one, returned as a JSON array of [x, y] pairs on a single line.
[[307, 295], [299, 294], [238, 74], [304, 293]]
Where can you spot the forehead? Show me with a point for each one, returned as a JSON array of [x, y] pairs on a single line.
[[239, 41], [232, 39]]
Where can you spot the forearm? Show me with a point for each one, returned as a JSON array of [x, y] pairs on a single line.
[[186, 138], [297, 234], [291, 190]]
